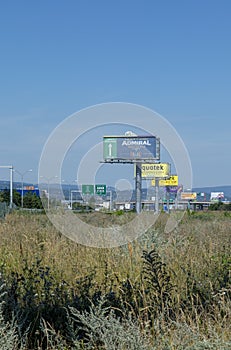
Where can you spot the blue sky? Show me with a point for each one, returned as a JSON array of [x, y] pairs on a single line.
[[58, 57]]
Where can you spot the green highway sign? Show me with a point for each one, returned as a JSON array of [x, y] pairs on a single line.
[[100, 189], [88, 189], [110, 147]]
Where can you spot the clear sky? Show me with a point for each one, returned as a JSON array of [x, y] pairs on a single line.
[[173, 56]]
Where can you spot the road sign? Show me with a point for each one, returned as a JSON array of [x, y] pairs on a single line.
[[88, 189], [131, 148], [110, 148], [155, 170], [188, 195], [100, 189], [171, 181]]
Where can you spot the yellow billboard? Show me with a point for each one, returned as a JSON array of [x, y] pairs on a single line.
[[171, 181], [188, 195], [155, 170]]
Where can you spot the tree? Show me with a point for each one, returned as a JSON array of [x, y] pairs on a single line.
[[32, 201], [5, 197]]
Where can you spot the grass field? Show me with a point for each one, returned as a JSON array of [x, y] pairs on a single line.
[[162, 291]]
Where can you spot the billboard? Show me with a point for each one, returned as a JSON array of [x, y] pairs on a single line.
[[131, 148], [216, 196], [28, 188], [171, 181], [173, 189], [149, 171], [188, 195]]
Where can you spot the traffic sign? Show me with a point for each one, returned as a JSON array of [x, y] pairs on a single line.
[[88, 189], [110, 148], [100, 189]]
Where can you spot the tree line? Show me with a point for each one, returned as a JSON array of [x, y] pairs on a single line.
[[30, 200]]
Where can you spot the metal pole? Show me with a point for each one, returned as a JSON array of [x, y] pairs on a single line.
[[168, 200], [138, 188], [11, 187], [110, 200], [157, 195], [22, 183], [71, 199], [22, 191], [48, 192]]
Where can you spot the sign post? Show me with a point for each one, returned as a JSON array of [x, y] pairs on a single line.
[[138, 188], [157, 195]]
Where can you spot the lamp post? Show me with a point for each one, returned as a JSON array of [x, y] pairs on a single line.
[[22, 176], [48, 179], [70, 191]]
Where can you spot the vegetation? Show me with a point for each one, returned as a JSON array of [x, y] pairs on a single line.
[[220, 206], [30, 200], [163, 291], [5, 197]]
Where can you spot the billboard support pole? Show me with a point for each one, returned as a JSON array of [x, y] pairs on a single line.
[[138, 188], [157, 195], [168, 200]]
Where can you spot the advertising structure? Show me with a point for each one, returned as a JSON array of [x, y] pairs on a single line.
[[171, 181], [150, 171], [131, 148], [217, 196], [173, 189], [28, 188], [189, 195]]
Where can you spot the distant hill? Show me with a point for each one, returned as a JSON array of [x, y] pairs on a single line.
[[225, 188]]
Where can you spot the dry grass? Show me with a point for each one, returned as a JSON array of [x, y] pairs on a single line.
[[196, 254]]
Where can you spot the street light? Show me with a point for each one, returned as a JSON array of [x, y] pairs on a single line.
[[70, 187], [22, 176], [48, 179]]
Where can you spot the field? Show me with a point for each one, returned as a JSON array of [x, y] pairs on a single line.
[[162, 291]]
